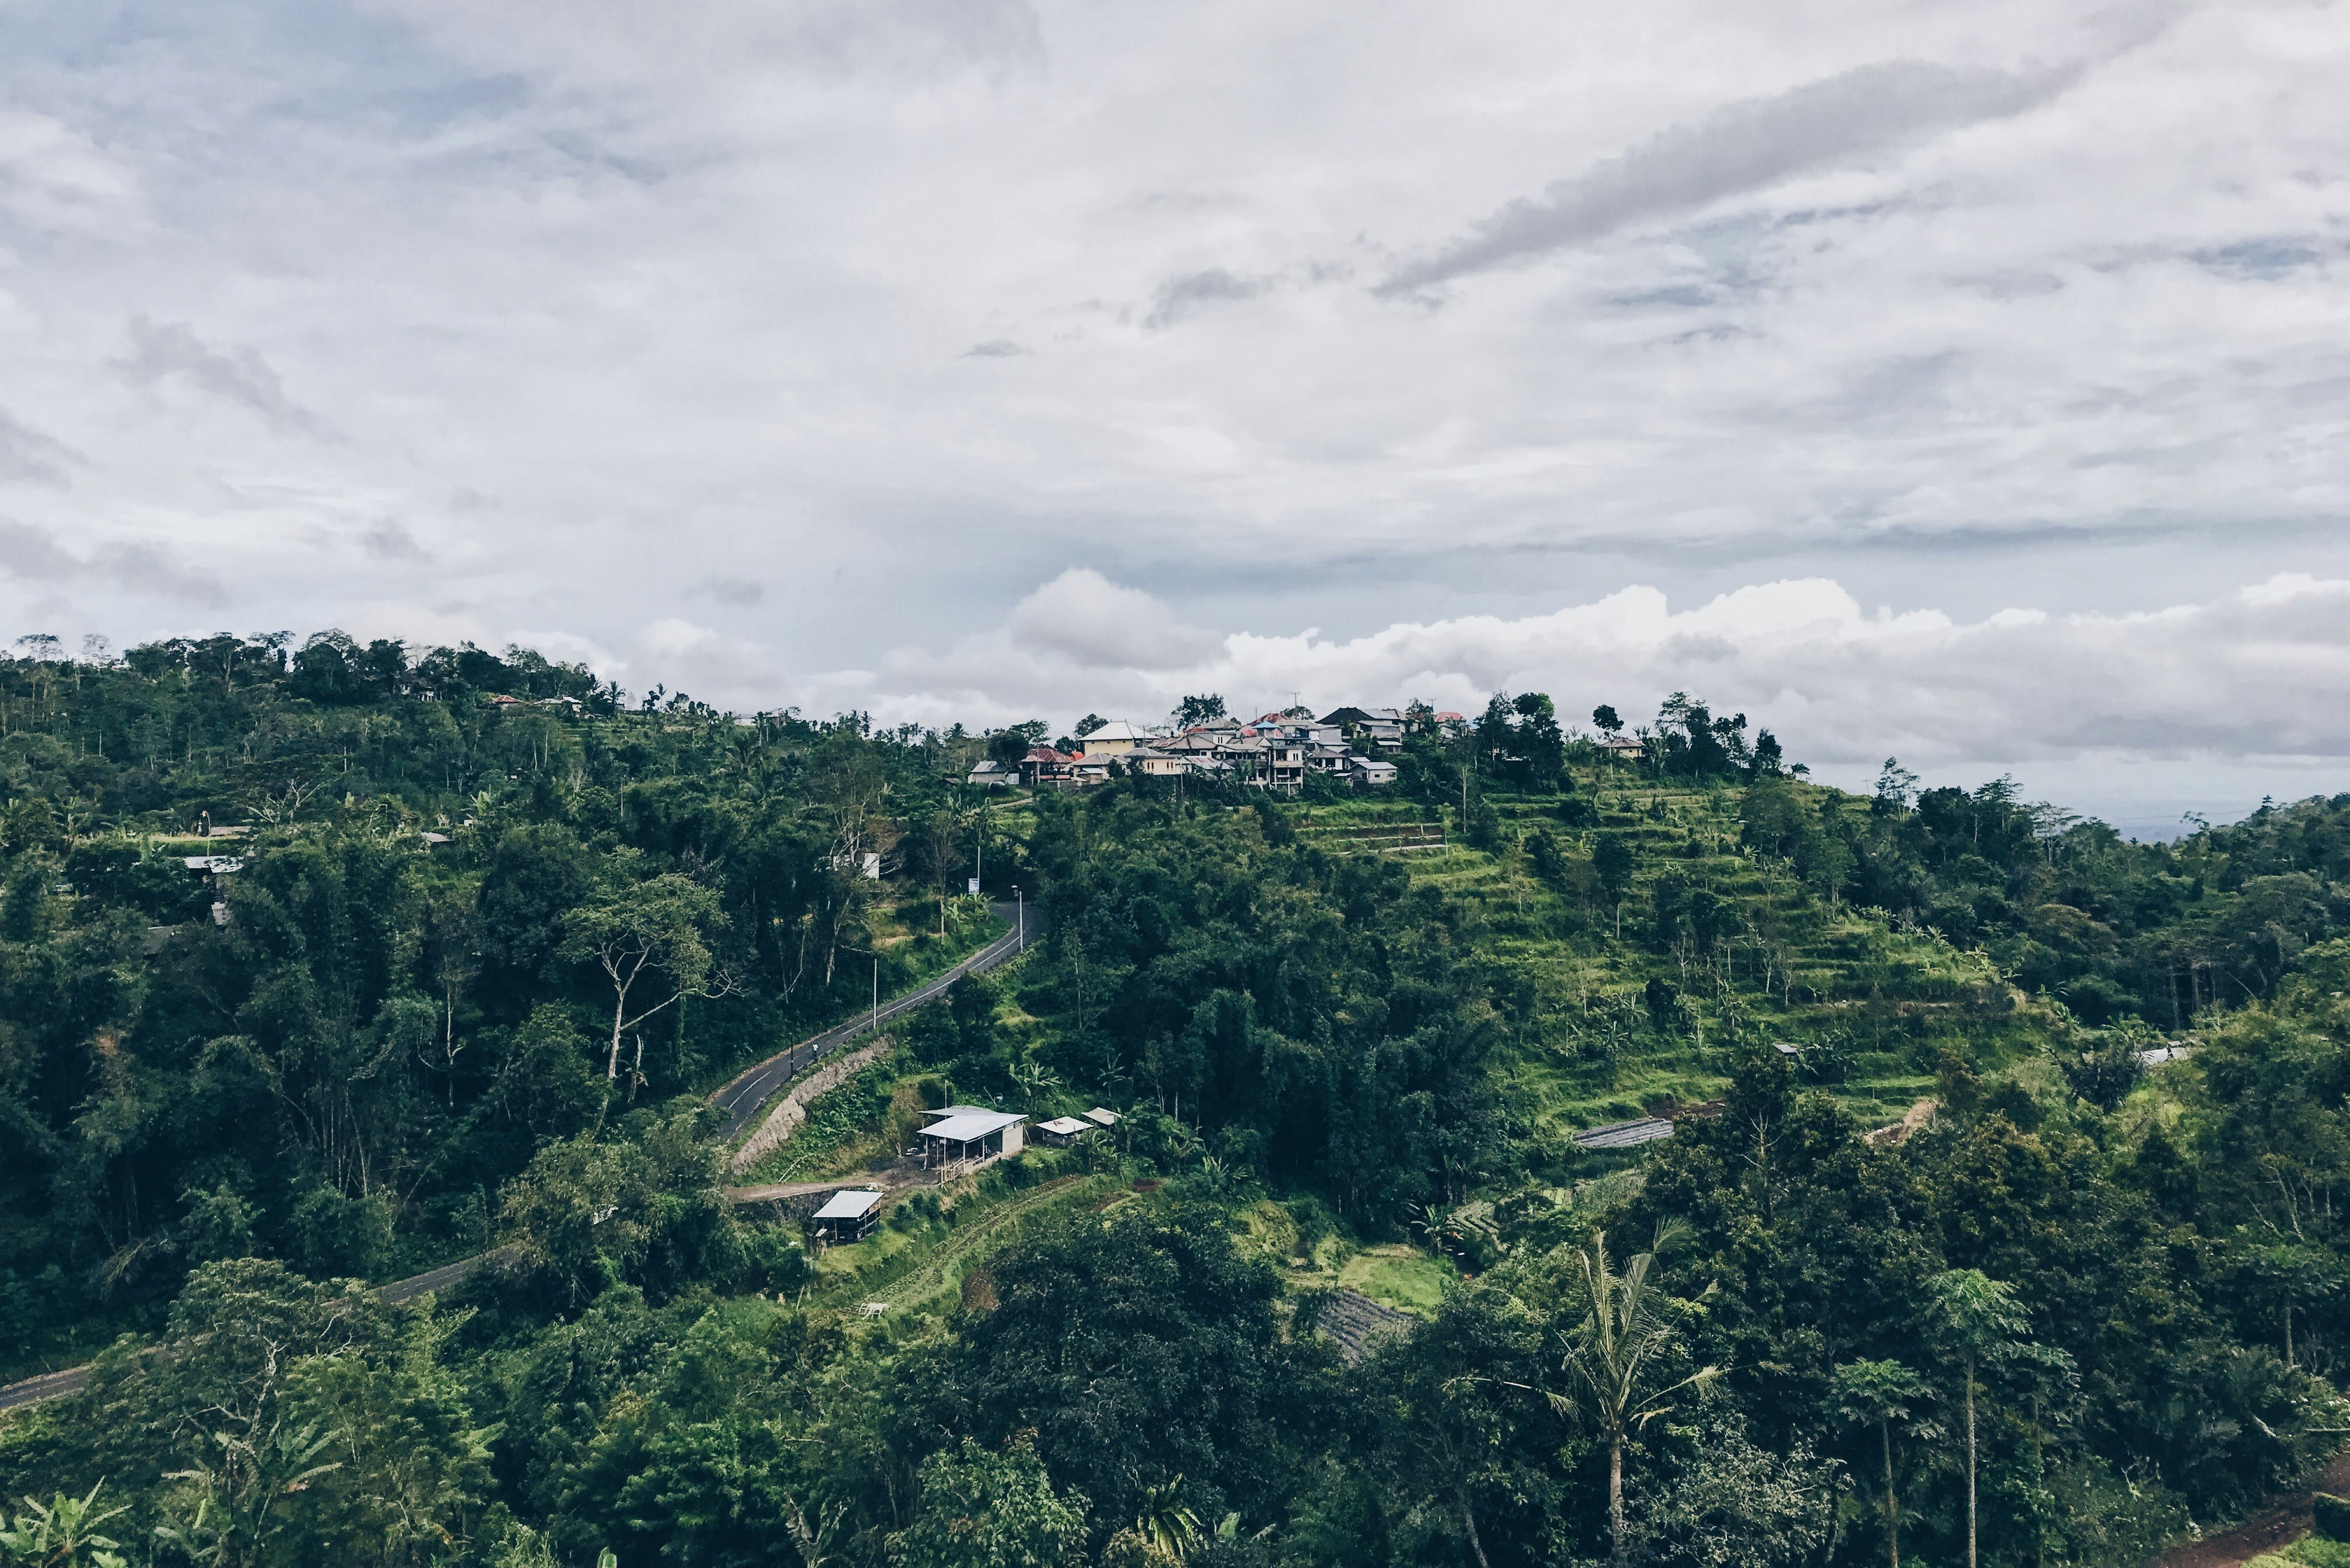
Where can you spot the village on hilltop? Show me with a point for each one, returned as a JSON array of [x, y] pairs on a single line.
[[1278, 751]]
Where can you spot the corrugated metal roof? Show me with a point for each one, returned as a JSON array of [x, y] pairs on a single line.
[[973, 1126], [849, 1205], [960, 1111], [1067, 1126], [1101, 1117], [1625, 1134]]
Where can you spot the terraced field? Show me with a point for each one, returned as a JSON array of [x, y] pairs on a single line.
[[1586, 1041]]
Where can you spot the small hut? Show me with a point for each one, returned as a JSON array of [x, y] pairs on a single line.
[[1102, 1119], [1063, 1131], [848, 1216]]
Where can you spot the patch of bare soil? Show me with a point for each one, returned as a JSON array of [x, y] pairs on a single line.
[[2283, 1522]]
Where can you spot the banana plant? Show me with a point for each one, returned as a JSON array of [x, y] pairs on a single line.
[[64, 1531]]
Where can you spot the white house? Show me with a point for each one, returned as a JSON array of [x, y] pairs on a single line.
[[1115, 739], [970, 1132]]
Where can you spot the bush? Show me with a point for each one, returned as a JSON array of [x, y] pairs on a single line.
[[2331, 1515], [777, 1260]]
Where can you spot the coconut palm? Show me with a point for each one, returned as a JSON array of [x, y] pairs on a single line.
[[1619, 1358]]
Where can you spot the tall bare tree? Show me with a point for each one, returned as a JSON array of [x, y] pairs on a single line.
[[658, 926]]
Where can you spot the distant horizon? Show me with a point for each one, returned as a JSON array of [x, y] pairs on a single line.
[[1948, 387]]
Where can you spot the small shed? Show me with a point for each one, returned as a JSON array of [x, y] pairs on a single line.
[[1063, 1131], [848, 1216], [1624, 1134], [1102, 1119], [969, 1133]]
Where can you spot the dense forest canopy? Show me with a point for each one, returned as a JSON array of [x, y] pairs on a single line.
[[2002, 1166]]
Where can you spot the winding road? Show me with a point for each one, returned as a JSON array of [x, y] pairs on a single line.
[[742, 1098], [747, 1092]]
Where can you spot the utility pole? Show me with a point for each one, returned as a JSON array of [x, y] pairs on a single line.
[[877, 993], [1020, 918]]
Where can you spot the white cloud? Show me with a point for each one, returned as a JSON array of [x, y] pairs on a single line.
[[892, 312], [1094, 624], [2262, 670], [57, 178]]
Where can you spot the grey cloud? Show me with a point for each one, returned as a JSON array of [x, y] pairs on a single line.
[[994, 349], [1188, 204], [1180, 296], [2264, 259], [1673, 296], [30, 554], [165, 349], [146, 568], [33, 555], [392, 542], [1746, 146], [920, 37], [733, 591], [29, 457]]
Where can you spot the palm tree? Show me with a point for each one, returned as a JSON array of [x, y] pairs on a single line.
[[1166, 1523], [1619, 1356], [1974, 1320], [1880, 1393], [1456, 1231]]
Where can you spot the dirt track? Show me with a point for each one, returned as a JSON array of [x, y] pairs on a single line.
[[2284, 1521]]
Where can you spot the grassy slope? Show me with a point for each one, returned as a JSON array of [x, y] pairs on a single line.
[[1582, 1051], [1882, 1001]]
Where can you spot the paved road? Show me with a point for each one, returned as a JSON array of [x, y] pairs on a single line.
[[742, 1098], [49, 1385], [74, 1379], [747, 1095]]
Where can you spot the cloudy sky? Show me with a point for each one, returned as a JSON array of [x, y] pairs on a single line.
[[1965, 381]]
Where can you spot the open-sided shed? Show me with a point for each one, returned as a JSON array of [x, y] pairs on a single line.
[[848, 1216]]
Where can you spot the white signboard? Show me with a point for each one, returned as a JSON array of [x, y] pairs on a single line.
[[873, 868], [974, 884]]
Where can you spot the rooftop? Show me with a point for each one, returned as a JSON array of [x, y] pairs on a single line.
[[970, 1126], [852, 1204], [1625, 1134]]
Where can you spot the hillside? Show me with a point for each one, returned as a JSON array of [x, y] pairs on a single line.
[[493, 933]]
